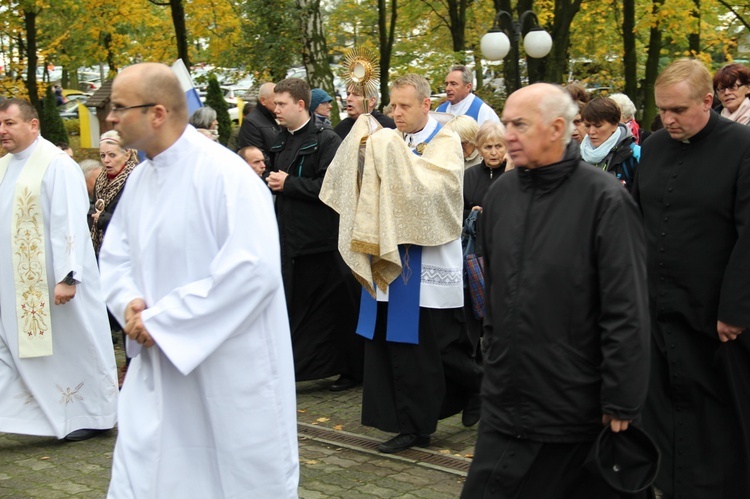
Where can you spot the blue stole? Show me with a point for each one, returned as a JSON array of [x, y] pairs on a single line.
[[402, 324], [472, 112]]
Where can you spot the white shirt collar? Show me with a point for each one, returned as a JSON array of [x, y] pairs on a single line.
[[412, 139], [300, 128], [461, 107]]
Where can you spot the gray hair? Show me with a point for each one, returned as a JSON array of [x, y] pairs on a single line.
[[559, 104], [467, 75], [370, 91], [88, 166], [627, 108], [203, 117], [490, 130], [420, 84]]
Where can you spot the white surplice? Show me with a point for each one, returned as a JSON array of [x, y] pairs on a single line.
[[210, 410], [75, 387]]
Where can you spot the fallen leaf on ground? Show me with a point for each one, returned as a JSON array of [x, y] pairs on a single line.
[[469, 456], [445, 451], [302, 411], [45, 458], [338, 427], [322, 420]]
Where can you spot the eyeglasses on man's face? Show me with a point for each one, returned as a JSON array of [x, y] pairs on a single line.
[[115, 109]]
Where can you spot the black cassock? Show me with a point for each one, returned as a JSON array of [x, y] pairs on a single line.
[[695, 199]]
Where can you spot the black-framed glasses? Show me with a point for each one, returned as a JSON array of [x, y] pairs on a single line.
[[732, 88], [114, 108]]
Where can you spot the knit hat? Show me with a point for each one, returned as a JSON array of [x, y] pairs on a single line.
[[319, 96]]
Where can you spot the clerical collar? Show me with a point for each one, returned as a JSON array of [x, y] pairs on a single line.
[[26, 153], [713, 119], [292, 132], [412, 139]]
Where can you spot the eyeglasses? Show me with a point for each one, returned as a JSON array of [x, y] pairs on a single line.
[[115, 109], [733, 88]]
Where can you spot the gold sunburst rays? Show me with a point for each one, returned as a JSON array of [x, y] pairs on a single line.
[[362, 70]]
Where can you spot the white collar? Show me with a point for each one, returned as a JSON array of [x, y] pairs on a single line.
[[462, 106], [412, 139]]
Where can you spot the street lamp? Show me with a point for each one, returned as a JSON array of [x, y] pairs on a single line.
[[506, 33]]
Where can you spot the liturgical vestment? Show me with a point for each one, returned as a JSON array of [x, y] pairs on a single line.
[[209, 410], [76, 386]]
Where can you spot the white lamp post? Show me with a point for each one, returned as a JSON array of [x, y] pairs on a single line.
[[506, 33]]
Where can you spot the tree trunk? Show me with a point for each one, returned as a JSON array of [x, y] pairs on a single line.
[[315, 51], [652, 67], [555, 65], [694, 39], [29, 20], [457, 27], [386, 34], [630, 56], [180, 31]]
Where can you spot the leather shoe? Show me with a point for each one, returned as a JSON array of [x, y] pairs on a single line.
[[343, 383], [472, 411], [82, 434], [403, 441]]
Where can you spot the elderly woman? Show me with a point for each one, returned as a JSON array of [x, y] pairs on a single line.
[[490, 142], [118, 164], [477, 179], [627, 114], [609, 145], [204, 120], [467, 129], [732, 87]]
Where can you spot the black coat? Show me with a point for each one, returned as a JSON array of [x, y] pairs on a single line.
[[307, 225], [345, 125], [259, 129], [566, 329], [695, 199]]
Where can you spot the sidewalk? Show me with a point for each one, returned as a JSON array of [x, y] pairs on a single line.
[[338, 457]]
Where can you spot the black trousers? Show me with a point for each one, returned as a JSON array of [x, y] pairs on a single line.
[[505, 467]]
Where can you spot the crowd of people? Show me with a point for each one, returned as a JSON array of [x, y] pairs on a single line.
[[609, 301]]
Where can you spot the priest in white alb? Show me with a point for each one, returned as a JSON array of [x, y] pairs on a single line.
[[191, 266], [57, 366]]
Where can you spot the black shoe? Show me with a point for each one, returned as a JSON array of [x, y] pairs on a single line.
[[343, 383], [472, 411], [82, 434], [403, 441]]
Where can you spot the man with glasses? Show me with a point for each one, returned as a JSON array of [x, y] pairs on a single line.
[[57, 367], [693, 187], [191, 268]]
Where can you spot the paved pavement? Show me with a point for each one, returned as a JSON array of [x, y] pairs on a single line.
[[338, 457]]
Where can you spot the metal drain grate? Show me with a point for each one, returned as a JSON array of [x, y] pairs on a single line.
[[422, 457]]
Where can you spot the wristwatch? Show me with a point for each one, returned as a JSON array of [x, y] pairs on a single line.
[[69, 279]]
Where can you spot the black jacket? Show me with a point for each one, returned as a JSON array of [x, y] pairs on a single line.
[[566, 330], [259, 129], [307, 225], [345, 125]]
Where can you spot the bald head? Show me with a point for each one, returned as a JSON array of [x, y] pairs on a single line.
[[157, 83], [149, 108], [539, 122], [265, 96]]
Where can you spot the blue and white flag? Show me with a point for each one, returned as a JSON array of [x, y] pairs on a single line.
[[193, 99]]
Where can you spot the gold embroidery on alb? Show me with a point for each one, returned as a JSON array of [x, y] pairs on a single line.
[[29, 248]]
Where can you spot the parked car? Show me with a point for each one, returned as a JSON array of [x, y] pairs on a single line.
[[69, 110]]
